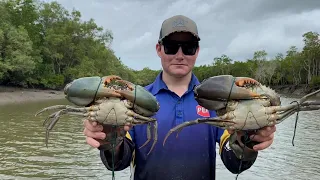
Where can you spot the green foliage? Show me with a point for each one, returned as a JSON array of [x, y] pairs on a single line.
[[145, 76], [293, 68], [315, 80], [45, 46]]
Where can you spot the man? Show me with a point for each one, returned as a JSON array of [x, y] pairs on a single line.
[[192, 155]]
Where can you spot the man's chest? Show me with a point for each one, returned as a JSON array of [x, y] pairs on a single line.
[[180, 109], [173, 112], [176, 110]]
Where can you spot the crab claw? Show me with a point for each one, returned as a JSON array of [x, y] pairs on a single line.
[[139, 95], [214, 92], [108, 79], [83, 91], [242, 81]]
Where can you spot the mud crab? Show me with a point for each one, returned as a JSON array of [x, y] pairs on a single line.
[[109, 100], [242, 103]]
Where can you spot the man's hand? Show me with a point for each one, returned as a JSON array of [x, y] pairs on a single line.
[[264, 136], [97, 135]]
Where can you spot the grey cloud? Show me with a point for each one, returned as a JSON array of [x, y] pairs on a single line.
[[290, 6], [235, 28]]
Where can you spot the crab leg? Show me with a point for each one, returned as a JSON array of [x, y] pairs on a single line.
[[144, 120], [219, 121], [310, 103], [299, 106], [136, 108], [52, 123], [274, 109], [155, 137], [64, 109], [309, 106], [148, 136], [155, 129], [285, 115], [57, 115], [304, 98], [139, 117], [51, 108], [61, 107], [69, 108]]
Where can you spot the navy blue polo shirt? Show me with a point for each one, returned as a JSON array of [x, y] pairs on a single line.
[[190, 156]]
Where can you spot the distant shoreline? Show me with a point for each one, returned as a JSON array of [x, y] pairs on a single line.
[[295, 90], [10, 95]]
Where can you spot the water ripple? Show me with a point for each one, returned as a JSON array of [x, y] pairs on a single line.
[[23, 154], [282, 161]]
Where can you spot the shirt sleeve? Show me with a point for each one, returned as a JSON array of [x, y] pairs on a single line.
[[229, 159], [125, 155]]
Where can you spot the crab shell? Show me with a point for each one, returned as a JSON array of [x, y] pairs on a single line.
[[214, 93], [83, 91]]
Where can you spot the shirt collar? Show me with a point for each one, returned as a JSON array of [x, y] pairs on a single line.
[[159, 84]]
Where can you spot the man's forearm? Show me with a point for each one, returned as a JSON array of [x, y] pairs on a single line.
[[121, 158]]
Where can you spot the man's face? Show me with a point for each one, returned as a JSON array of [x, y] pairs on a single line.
[[178, 63]]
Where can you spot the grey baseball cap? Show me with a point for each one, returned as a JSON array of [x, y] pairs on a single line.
[[178, 23]]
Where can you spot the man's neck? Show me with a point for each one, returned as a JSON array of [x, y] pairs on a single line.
[[178, 85]]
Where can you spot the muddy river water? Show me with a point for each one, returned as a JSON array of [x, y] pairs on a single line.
[[23, 154]]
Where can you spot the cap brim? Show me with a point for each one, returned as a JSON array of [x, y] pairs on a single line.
[[195, 35]]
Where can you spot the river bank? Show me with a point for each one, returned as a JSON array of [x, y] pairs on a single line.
[[295, 90], [21, 95], [16, 95]]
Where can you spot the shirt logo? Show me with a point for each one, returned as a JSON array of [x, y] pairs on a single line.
[[202, 111]]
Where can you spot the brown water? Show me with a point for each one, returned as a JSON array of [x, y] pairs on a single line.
[[23, 154]]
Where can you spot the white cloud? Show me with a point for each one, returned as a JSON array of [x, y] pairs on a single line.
[[234, 28], [275, 34]]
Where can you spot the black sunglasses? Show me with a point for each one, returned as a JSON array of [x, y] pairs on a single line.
[[172, 47]]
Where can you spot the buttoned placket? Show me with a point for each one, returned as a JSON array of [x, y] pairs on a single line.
[[179, 110]]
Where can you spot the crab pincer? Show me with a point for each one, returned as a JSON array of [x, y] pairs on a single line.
[[243, 104], [108, 100]]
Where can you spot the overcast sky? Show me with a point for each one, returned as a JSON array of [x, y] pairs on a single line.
[[234, 28]]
